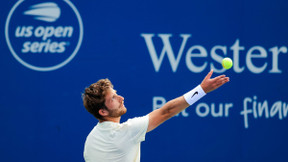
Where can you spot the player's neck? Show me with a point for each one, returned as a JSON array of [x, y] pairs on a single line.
[[111, 119]]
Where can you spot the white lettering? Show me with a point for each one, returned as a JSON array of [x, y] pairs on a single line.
[[67, 31], [227, 107], [167, 48], [44, 32], [260, 54], [39, 31], [275, 53], [261, 107], [24, 31], [48, 46], [236, 48], [285, 109], [218, 58], [203, 109], [205, 112], [278, 107], [49, 31], [199, 53], [220, 112], [158, 102], [245, 111]]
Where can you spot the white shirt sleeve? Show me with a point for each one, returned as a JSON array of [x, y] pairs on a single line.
[[137, 128]]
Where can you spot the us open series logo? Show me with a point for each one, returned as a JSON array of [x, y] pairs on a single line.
[[44, 35]]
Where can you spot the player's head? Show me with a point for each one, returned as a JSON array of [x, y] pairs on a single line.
[[94, 97], [101, 100]]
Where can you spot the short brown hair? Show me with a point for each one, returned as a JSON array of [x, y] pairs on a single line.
[[94, 97]]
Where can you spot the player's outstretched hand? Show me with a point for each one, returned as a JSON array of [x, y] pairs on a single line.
[[209, 84]]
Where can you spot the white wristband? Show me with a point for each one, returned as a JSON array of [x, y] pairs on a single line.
[[194, 95]]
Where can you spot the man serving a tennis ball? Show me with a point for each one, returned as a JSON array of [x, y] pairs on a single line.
[[111, 140]]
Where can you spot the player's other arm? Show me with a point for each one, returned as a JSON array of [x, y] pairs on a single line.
[[177, 105]]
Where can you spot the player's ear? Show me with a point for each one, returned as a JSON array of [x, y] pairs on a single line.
[[103, 112]]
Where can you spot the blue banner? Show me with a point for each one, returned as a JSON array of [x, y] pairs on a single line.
[[152, 51]]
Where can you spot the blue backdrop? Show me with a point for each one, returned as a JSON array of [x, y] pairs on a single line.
[[152, 51]]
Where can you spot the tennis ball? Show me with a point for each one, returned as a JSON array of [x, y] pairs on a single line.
[[227, 63]]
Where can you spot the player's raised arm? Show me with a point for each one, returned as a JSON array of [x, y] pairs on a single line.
[[177, 105]]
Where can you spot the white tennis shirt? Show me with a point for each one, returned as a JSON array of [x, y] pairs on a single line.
[[115, 142]]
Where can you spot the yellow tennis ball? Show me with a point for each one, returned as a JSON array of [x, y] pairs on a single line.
[[227, 63]]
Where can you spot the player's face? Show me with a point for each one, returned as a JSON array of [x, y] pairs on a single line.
[[115, 103]]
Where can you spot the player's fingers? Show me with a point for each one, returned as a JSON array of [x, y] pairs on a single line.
[[219, 77], [222, 81], [208, 76]]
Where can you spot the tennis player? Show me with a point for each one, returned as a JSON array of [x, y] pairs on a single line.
[[112, 141]]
